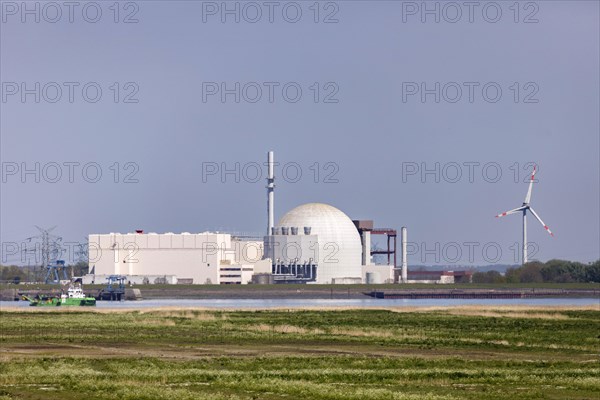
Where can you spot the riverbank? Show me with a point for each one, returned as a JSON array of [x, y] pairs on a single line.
[[153, 292]]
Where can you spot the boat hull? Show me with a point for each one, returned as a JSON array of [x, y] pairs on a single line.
[[58, 302]]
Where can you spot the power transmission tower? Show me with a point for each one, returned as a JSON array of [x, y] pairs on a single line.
[[81, 252], [51, 250]]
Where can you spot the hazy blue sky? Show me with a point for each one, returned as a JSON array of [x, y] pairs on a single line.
[[371, 61]]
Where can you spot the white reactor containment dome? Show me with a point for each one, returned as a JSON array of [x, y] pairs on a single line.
[[339, 244]]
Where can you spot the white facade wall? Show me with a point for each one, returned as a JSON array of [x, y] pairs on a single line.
[[186, 256], [288, 248], [248, 251], [236, 274], [263, 266], [385, 272]]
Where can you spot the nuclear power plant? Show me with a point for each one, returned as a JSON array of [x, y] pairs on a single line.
[[313, 243]]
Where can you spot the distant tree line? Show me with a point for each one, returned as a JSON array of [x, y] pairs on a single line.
[[17, 274], [556, 271]]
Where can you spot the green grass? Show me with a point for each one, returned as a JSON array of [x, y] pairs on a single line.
[[456, 353]]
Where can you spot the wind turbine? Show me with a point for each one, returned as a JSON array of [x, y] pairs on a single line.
[[524, 209]]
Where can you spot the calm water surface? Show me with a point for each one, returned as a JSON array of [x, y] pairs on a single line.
[[301, 303]]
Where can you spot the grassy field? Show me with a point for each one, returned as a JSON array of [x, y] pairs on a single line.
[[453, 353]]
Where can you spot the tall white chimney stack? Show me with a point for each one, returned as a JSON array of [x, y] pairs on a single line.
[[404, 260], [270, 194]]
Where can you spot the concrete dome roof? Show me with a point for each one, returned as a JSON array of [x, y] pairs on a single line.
[[340, 247]]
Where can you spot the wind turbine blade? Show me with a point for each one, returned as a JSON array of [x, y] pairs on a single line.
[[528, 197], [541, 222], [510, 212]]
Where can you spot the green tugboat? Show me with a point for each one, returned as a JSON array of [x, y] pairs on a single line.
[[73, 297]]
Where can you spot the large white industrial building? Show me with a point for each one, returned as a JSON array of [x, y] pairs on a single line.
[[312, 243], [199, 258]]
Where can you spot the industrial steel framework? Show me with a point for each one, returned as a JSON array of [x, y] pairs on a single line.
[[294, 272], [392, 247], [54, 272]]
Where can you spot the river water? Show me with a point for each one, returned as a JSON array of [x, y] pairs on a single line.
[[342, 303]]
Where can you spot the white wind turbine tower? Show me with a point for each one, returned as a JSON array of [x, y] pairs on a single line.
[[524, 209]]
